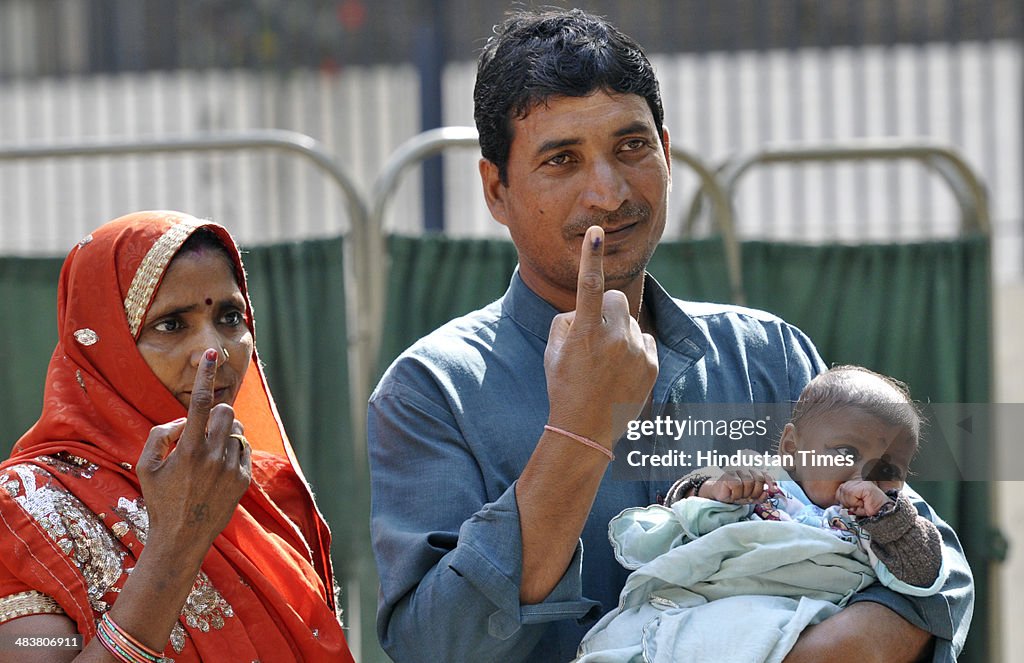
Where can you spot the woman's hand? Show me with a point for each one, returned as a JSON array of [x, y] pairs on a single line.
[[191, 491]]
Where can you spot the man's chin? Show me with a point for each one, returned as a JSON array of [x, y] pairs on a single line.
[[616, 275]]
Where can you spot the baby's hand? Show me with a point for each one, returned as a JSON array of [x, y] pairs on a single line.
[[862, 498], [738, 486]]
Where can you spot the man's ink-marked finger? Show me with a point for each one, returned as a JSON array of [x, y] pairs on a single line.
[[590, 283], [202, 397]]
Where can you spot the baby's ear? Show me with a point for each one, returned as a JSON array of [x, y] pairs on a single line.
[[788, 441]]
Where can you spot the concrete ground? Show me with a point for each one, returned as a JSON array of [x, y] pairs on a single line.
[[1009, 495]]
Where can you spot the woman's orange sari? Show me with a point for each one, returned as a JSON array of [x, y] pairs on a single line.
[[72, 517]]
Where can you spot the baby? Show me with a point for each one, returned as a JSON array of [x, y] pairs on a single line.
[[716, 576], [849, 441]]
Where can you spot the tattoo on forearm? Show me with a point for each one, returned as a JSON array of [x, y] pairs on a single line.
[[199, 513]]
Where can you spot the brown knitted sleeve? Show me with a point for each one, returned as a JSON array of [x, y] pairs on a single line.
[[908, 544]]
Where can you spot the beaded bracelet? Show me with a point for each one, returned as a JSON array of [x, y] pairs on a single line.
[[688, 486], [582, 440], [123, 646]]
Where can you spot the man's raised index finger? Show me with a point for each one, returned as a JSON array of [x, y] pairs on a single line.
[[590, 285], [202, 397]]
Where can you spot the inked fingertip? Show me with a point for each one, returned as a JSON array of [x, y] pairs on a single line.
[[596, 243]]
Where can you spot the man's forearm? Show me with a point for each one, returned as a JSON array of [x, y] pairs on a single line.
[[554, 494]]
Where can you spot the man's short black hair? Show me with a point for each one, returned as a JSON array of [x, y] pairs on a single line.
[[533, 56]]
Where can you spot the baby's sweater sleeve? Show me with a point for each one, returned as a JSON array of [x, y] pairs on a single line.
[[908, 544]]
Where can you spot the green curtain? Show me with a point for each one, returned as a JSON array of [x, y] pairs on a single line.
[[28, 334], [433, 279], [297, 293], [298, 296]]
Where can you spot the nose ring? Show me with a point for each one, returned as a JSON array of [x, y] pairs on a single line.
[[227, 355]]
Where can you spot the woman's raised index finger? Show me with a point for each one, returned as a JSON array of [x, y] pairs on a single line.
[[590, 285], [202, 397]]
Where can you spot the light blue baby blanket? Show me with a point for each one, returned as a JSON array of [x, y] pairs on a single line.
[[738, 590]]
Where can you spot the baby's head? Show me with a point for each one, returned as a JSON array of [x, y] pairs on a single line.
[[851, 423]]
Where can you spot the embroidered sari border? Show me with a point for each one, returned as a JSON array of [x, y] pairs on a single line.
[[152, 267], [31, 602]]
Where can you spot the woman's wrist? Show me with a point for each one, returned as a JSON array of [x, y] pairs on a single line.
[[152, 598]]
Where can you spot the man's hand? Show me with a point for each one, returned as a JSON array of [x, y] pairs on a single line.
[[863, 632], [597, 357]]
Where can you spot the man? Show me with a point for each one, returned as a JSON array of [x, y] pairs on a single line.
[[490, 438]]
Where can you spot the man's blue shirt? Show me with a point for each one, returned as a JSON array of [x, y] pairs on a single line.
[[453, 423]]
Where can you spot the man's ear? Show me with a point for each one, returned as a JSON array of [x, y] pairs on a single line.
[[494, 191], [668, 152]]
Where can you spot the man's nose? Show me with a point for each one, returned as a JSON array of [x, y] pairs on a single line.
[[606, 187]]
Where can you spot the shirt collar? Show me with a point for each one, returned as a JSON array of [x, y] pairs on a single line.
[[674, 328]]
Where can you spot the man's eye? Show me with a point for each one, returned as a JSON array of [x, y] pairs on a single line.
[[634, 144], [558, 160]]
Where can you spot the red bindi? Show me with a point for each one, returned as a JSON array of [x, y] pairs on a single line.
[[209, 301]]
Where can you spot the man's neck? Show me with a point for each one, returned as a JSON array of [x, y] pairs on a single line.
[[564, 300]]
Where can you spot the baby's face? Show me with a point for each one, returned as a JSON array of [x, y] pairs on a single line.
[[847, 443]]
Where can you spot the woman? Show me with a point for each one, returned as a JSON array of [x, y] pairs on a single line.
[[197, 539]]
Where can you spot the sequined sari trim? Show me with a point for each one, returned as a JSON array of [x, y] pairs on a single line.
[[76, 530]]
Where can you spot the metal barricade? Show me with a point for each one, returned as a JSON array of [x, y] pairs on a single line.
[[965, 185]]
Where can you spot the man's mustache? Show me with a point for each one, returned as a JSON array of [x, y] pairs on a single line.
[[629, 212]]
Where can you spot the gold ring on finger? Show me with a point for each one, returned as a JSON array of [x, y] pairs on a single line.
[[240, 438]]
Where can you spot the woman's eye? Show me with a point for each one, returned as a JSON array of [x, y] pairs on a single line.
[[233, 318], [168, 325]]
